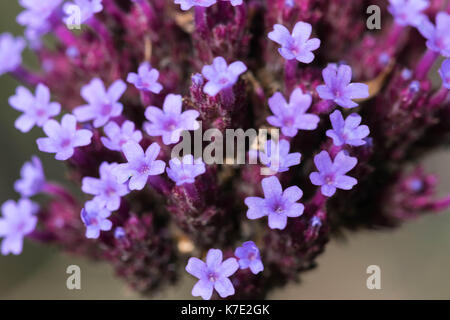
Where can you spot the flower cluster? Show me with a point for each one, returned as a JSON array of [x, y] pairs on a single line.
[[143, 76]]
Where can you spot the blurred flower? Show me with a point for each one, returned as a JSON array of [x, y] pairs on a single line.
[[276, 156], [347, 131], [95, 218], [444, 72], [32, 178], [408, 12], [187, 4], [87, 7], [221, 76], [10, 52], [438, 37], [186, 170], [18, 220], [36, 109], [146, 79]]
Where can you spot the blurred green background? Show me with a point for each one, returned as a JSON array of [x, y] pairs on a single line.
[[414, 259]]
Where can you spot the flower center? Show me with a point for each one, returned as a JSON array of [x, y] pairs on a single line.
[[170, 125], [223, 81], [65, 143], [144, 169], [106, 109], [251, 256], [40, 113], [329, 179], [212, 276]]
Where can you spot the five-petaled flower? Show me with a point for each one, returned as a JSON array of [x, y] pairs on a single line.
[[408, 12], [107, 190], [36, 15], [331, 175], [102, 104], [87, 9], [277, 204], [170, 122], [187, 4], [32, 178], [140, 165], [338, 87], [18, 220], [10, 52], [185, 170], [276, 156], [249, 257], [292, 116], [117, 136], [95, 218], [221, 76], [146, 79], [347, 131], [438, 37], [444, 72], [212, 275], [63, 138], [36, 109], [298, 45]]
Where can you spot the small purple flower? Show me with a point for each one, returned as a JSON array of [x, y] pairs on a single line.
[[95, 218], [185, 170], [170, 122], [146, 79], [338, 87], [119, 233], [102, 104], [277, 158], [347, 131], [107, 190], [212, 275], [140, 165], [187, 4], [292, 116], [234, 2], [87, 7], [331, 174], [10, 52], [298, 45], [63, 138], [249, 257], [32, 178], [36, 14], [408, 12], [438, 37], [36, 109], [117, 136], [277, 204], [221, 76], [444, 72], [18, 221]]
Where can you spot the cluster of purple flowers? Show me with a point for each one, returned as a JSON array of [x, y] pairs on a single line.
[[118, 141]]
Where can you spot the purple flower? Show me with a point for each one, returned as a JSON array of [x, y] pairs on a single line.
[[170, 122], [235, 2], [10, 52], [292, 116], [408, 12], [186, 170], [277, 158], [249, 257], [298, 45], [32, 178], [119, 233], [95, 218], [277, 204], [107, 190], [187, 4], [331, 174], [438, 37], [102, 104], [36, 14], [338, 87], [212, 275], [221, 76], [36, 109], [117, 136], [347, 131], [146, 79], [140, 165], [444, 72], [18, 220], [87, 7], [63, 138]]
